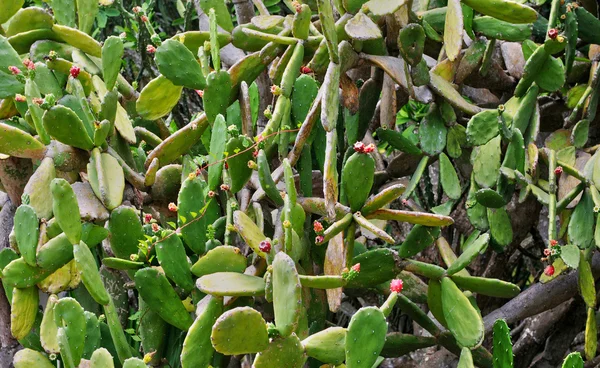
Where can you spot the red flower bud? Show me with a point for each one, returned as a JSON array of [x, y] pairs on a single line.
[[318, 227], [29, 64], [74, 71], [172, 207], [359, 147], [211, 193], [356, 267], [549, 270], [14, 70], [558, 170], [144, 18], [319, 239], [200, 92], [20, 98], [547, 252], [553, 33], [553, 242], [147, 218], [150, 49], [305, 70], [396, 285], [370, 148], [224, 187], [265, 246], [155, 227], [137, 9]]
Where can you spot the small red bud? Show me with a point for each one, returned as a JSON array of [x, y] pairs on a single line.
[[553, 33], [14, 70], [155, 227], [319, 239], [37, 100], [144, 18], [318, 227], [265, 246], [147, 218], [396, 285], [20, 98], [255, 154], [558, 170], [29, 64], [150, 49], [74, 71], [172, 207], [137, 9], [224, 187], [359, 147], [553, 242], [226, 166], [370, 148], [211, 193], [200, 92], [549, 270], [547, 252], [356, 267], [305, 70]]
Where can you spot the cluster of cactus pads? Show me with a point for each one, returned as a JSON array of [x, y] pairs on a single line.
[[136, 243]]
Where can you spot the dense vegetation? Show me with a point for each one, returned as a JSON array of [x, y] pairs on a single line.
[[270, 183]]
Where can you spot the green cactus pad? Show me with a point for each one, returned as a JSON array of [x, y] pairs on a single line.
[[21, 275], [573, 360], [66, 209], [48, 329], [66, 127], [154, 287], [476, 212], [418, 239], [581, 225], [112, 53], [125, 231], [482, 127], [411, 43], [500, 226], [220, 259], [152, 330], [238, 157], [433, 132], [216, 94], [365, 337], [158, 98], [231, 284], [195, 211], [586, 283], [38, 188], [218, 139], [399, 344], [282, 351], [462, 318], [486, 286], [28, 358], [18, 143], [489, 198], [376, 266], [503, 355], [495, 28], [327, 346], [197, 349], [86, 265], [173, 260], [486, 166], [398, 141], [419, 218], [134, 363], [357, 179], [266, 181], [177, 63], [466, 359], [287, 294], [24, 308], [70, 318], [249, 232], [238, 331], [106, 178], [26, 230], [101, 358], [449, 178], [469, 254]]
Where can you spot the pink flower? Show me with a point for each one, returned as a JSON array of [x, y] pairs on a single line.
[[147, 218], [318, 227], [150, 49], [319, 239], [172, 207], [74, 71], [396, 286], [20, 98], [356, 268], [14, 70]]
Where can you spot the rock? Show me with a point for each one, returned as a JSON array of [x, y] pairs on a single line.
[[90, 207], [512, 53]]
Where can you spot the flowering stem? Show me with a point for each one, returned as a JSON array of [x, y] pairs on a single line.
[[552, 195]]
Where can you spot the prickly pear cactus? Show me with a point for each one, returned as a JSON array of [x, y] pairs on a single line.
[[297, 181]]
